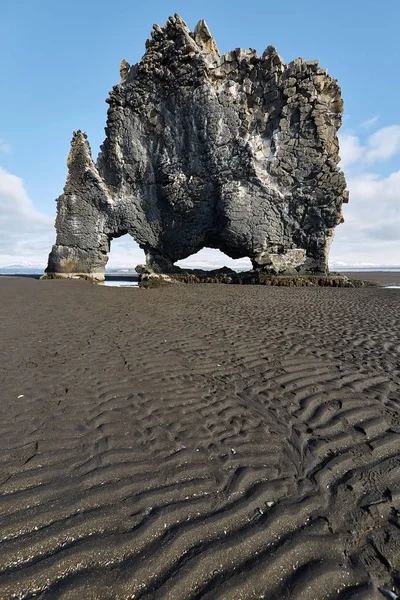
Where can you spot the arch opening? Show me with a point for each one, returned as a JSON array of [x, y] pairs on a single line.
[[209, 259], [123, 255]]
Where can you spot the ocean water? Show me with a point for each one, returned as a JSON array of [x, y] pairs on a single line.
[[35, 270], [120, 283], [366, 269]]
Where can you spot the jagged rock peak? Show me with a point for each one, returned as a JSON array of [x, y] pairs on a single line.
[[204, 39], [237, 152], [176, 30], [79, 157], [124, 70]]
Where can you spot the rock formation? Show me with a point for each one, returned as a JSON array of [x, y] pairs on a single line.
[[236, 152]]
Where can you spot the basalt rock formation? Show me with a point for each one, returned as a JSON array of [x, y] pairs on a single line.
[[236, 152]]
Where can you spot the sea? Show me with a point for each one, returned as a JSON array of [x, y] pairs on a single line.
[[129, 278], [38, 270]]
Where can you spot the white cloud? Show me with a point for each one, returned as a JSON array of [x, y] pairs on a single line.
[[25, 233], [376, 191], [378, 147], [383, 144], [369, 123], [5, 147], [351, 149], [125, 253], [370, 234]]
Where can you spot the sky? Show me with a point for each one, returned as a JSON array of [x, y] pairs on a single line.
[[59, 60]]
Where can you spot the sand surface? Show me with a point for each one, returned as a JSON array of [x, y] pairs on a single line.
[[203, 441]]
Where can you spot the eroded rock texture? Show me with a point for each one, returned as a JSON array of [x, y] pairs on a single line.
[[236, 152]]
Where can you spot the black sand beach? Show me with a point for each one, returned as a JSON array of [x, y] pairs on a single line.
[[199, 441]]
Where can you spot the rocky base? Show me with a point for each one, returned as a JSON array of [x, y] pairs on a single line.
[[148, 278], [228, 276], [94, 277]]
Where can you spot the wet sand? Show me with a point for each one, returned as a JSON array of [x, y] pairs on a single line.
[[376, 277], [198, 441]]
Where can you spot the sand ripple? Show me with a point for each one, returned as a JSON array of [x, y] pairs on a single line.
[[199, 442]]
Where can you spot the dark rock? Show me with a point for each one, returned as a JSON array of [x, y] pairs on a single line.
[[257, 277], [142, 270], [237, 152], [222, 271]]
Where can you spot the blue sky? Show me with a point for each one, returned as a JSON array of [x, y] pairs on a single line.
[[58, 61]]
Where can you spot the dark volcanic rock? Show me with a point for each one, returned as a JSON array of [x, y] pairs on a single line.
[[237, 152]]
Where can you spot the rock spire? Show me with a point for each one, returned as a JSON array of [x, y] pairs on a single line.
[[237, 152]]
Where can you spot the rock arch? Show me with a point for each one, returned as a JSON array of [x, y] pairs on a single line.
[[238, 153]]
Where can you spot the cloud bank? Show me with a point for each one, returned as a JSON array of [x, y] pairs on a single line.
[[378, 147], [26, 235], [371, 232]]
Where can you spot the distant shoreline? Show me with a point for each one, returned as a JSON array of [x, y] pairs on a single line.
[[379, 277]]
